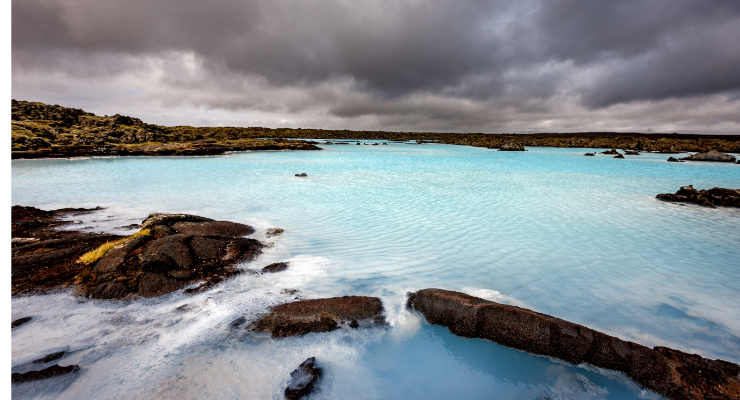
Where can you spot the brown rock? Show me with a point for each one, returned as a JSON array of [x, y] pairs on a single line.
[[49, 357], [111, 290], [275, 267], [155, 284], [20, 321], [319, 315], [213, 228], [169, 251], [711, 155], [671, 373], [113, 259], [274, 232], [512, 146], [170, 219], [619, 156], [709, 198]]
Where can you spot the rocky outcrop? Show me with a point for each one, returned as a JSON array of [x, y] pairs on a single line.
[[671, 373], [171, 252], [674, 159], [54, 370], [709, 198], [711, 155], [618, 156], [631, 153], [303, 379], [49, 357], [590, 154], [319, 315], [20, 321], [512, 146], [612, 151]]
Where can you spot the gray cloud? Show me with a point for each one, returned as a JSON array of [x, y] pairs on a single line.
[[445, 65]]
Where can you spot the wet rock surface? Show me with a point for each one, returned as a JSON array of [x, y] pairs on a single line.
[[274, 232], [54, 370], [590, 154], [20, 321], [673, 159], [669, 372], [319, 315], [49, 357], [612, 151], [171, 252], [709, 198], [275, 267], [618, 156], [50, 261], [711, 155], [303, 379]]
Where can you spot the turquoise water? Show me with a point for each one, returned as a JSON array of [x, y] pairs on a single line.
[[579, 238]]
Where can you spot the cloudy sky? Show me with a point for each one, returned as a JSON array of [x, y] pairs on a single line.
[[461, 66]]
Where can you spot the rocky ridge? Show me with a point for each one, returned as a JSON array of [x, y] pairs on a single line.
[[671, 373]]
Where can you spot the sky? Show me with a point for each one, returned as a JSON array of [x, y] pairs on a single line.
[[443, 65]]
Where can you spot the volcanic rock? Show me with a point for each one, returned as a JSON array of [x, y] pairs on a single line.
[[274, 232], [54, 370], [301, 175], [49, 357], [711, 155], [631, 153], [275, 267], [708, 198], [674, 159], [612, 151], [619, 156], [20, 321], [302, 379], [512, 146], [590, 154], [671, 373], [319, 315]]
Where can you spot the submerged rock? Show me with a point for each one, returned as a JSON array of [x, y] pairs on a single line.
[[612, 151], [319, 315], [674, 159], [512, 146], [711, 155], [631, 153], [54, 370], [301, 175], [662, 370], [709, 198], [49, 357], [618, 156], [303, 379], [274, 232], [590, 154]]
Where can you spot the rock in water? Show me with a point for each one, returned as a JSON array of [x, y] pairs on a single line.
[[302, 379], [512, 146], [612, 151], [619, 156], [301, 175], [590, 154], [49, 357], [54, 370], [631, 153], [275, 267], [319, 315], [709, 198], [711, 155], [274, 232], [20, 321], [673, 159], [671, 373]]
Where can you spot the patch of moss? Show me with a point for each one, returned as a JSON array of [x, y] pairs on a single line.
[[94, 255]]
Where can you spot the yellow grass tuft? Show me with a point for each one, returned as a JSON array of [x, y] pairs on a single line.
[[94, 255]]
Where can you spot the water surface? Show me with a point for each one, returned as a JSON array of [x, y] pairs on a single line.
[[579, 238]]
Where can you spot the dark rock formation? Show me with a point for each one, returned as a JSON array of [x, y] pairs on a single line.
[[319, 315], [674, 159], [590, 154], [711, 155], [20, 321], [274, 232], [54, 370], [631, 153], [619, 156], [50, 261], [49, 357], [710, 198], [275, 267], [172, 251], [671, 373], [512, 146], [303, 379], [302, 175], [612, 151], [179, 250]]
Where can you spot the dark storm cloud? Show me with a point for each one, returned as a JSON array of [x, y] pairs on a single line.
[[442, 60]]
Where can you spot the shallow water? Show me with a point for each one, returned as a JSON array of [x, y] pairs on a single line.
[[579, 238]]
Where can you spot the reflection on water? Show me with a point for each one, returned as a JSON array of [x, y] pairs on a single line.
[[580, 238]]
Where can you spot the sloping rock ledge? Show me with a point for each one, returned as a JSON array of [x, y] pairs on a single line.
[[668, 372], [320, 315]]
